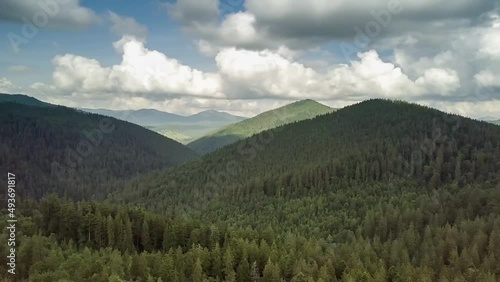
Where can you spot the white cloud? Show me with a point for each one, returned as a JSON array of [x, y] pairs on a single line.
[[251, 74], [440, 81], [141, 71], [8, 87]]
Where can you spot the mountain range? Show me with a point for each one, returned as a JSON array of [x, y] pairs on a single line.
[[177, 127], [377, 191]]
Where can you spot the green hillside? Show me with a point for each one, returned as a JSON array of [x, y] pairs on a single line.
[[177, 136], [376, 140], [377, 191], [76, 154], [297, 111], [384, 185]]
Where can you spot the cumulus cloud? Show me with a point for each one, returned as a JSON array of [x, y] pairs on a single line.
[[126, 26], [8, 87], [57, 13], [251, 74], [141, 71], [443, 81]]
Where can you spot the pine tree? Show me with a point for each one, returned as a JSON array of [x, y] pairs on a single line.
[[167, 268], [243, 269], [110, 225], [254, 272], [271, 272], [127, 239], [145, 237], [229, 273], [139, 268], [197, 271]]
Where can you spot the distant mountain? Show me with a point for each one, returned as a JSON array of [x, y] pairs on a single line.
[[152, 117], [23, 99], [297, 111], [491, 119], [77, 154], [144, 117], [488, 118], [214, 116], [180, 128]]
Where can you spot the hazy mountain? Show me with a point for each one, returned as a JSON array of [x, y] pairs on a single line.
[[297, 111], [491, 119], [180, 128], [152, 117]]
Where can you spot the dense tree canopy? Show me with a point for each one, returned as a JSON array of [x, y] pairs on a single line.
[[58, 149], [378, 191]]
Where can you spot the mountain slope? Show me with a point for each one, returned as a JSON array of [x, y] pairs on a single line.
[[393, 190], [297, 111], [374, 141], [23, 99], [379, 191], [62, 150]]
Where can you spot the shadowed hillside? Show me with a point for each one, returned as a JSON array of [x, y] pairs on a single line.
[[76, 154]]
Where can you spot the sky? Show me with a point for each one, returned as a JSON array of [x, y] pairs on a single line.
[[248, 56]]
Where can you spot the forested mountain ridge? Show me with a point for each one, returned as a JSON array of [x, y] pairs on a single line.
[[77, 154], [22, 99], [371, 141], [297, 111], [378, 191]]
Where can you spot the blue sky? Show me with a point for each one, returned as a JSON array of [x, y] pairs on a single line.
[[247, 56]]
